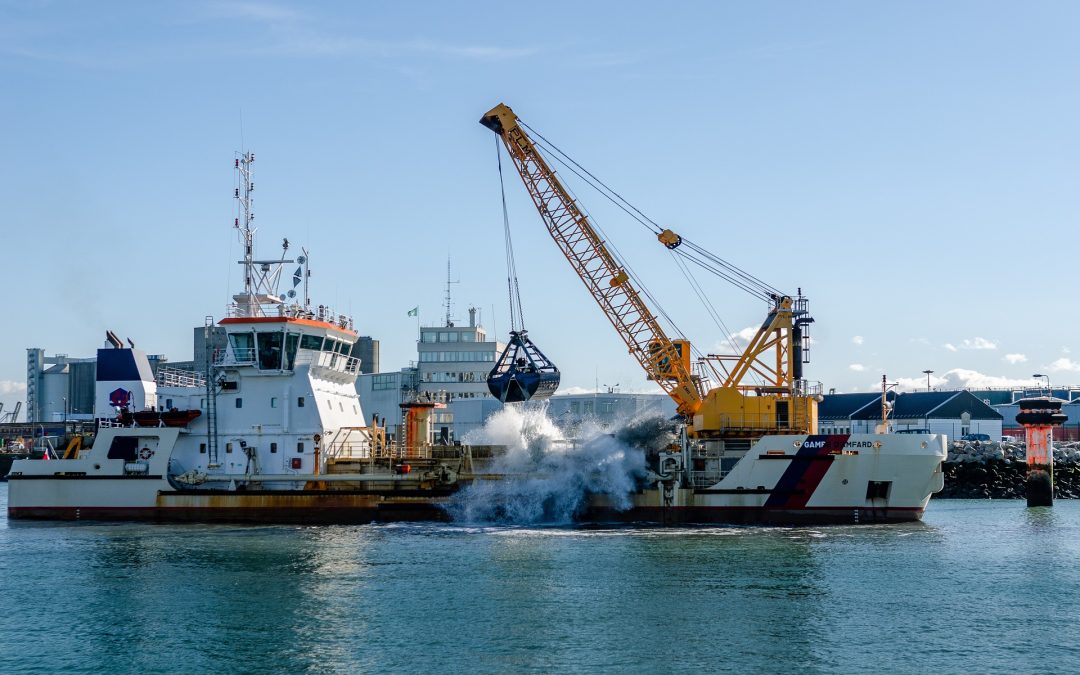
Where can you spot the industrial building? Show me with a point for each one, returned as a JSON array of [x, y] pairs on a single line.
[[452, 366], [954, 413], [456, 359]]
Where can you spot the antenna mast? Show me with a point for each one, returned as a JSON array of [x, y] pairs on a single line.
[[243, 191], [449, 321], [261, 277]]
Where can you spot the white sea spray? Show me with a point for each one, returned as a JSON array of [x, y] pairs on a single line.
[[549, 478]]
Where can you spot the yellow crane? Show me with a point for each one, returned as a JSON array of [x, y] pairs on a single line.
[[781, 402]]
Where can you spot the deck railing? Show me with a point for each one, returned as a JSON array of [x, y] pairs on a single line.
[[323, 313], [330, 360], [178, 377]]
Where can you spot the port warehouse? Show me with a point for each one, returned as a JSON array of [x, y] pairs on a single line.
[[451, 368]]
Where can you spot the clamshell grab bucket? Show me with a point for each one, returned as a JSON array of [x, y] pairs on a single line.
[[522, 372]]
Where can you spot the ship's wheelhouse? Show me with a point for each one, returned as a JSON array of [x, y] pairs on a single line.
[[277, 345]]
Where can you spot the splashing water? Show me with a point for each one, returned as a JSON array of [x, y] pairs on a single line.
[[549, 478]]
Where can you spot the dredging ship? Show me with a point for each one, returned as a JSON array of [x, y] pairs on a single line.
[[272, 430]]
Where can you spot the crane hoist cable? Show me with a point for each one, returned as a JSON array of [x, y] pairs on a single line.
[[692, 253], [701, 257], [521, 371], [517, 316], [614, 251], [700, 293], [575, 168]]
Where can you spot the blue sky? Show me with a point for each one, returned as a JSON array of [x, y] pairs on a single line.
[[912, 166]]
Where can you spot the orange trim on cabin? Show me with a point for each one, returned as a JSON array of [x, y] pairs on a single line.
[[287, 319]]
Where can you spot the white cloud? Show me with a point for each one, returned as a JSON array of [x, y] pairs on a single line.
[[741, 339], [858, 340], [973, 343], [1065, 364], [962, 378], [1066, 350], [1015, 358], [12, 387], [857, 367]]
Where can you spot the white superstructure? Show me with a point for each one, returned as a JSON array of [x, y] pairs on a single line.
[[276, 402]]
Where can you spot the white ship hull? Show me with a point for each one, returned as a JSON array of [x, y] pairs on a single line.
[[781, 479], [806, 479]]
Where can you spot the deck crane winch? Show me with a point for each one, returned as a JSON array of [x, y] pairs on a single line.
[[781, 402], [521, 372]]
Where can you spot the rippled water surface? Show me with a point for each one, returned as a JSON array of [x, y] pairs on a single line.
[[977, 587]]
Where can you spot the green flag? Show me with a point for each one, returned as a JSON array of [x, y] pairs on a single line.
[[414, 311]]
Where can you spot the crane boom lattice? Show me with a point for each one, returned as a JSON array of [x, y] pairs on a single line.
[[665, 361]]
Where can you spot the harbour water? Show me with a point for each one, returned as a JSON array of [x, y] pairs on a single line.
[[980, 586]]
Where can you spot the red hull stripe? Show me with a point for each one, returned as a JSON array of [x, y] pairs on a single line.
[[805, 472]]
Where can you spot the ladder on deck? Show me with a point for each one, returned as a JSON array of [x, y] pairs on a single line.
[[211, 394]]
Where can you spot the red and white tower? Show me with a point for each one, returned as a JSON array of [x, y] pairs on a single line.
[[1039, 416]]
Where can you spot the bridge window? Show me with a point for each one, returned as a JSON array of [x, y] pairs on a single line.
[[313, 342], [292, 340], [242, 344], [270, 350]]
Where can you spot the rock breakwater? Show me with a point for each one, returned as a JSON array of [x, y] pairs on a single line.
[[976, 470]]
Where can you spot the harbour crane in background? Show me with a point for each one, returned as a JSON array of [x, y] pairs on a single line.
[[782, 401], [12, 416]]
